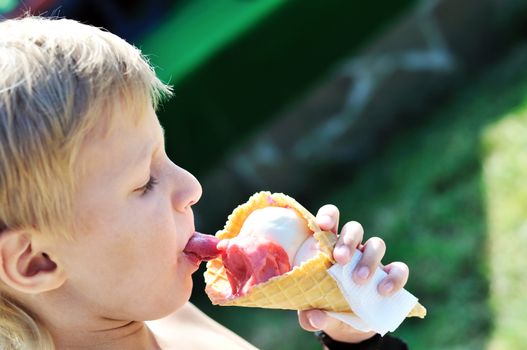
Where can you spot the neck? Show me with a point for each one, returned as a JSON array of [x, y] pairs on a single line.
[[81, 329], [131, 335]]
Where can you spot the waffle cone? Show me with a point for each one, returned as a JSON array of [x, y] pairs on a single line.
[[307, 286]]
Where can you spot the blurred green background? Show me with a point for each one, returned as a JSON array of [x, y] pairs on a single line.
[[410, 116], [447, 196]]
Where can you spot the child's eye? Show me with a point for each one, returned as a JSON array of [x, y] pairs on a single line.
[[149, 185]]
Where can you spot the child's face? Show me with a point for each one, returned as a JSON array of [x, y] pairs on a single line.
[[126, 261]]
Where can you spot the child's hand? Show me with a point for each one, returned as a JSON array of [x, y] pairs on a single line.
[[373, 250]]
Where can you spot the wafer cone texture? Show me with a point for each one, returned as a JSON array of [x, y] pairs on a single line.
[[308, 286]]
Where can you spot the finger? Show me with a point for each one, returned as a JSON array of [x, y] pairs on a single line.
[[328, 218], [372, 253], [312, 320], [397, 277], [350, 237]]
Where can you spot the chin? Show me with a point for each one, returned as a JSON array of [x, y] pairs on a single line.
[[167, 308], [187, 290], [170, 301], [181, 295]]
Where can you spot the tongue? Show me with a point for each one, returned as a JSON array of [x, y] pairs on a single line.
[[202, 246]]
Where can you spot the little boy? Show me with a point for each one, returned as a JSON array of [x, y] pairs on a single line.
[[93, 214]]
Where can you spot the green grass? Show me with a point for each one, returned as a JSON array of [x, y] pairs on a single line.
[[505, 171], [448, 197]]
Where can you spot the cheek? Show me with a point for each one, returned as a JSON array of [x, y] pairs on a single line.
[[164, 242], [172, 229], [145, 257]]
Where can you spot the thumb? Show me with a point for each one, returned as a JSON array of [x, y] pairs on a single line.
[[312, 320]]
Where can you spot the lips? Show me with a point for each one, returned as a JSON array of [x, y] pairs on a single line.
[[193, 258]]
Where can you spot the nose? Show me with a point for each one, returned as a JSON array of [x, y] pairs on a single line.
[[187, 190]]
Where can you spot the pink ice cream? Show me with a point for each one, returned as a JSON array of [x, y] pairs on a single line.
[[271, 241], [252, 260]]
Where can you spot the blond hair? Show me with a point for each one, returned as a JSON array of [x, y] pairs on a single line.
[[58, 81]]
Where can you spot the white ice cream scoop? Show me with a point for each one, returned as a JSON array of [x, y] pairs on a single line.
[[281, 225], [307, 250]]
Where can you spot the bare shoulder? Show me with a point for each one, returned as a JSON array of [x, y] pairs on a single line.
[[190, 328]]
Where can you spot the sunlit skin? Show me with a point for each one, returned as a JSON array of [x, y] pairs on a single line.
[[125, 265], [133, 217]]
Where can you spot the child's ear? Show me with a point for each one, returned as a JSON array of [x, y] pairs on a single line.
[[23, 267]]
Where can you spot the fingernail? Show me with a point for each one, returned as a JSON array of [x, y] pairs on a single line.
[[343, 252], [325, 220], [386, 288], [363, 273], [317, 320]]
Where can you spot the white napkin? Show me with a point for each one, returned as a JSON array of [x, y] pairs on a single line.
[[373, 312]]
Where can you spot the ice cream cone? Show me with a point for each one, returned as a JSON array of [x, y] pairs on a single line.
[[307, 286]]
